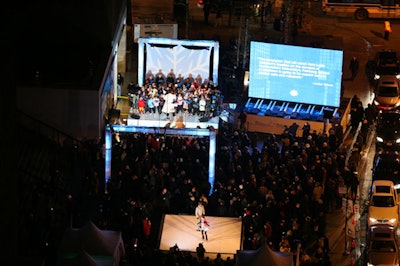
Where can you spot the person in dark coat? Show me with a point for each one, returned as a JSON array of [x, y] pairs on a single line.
[[206, 11], [242, 119], [356, 116], [218, 17], [354, 67], [306, 130], [200, 251], [369, 113]]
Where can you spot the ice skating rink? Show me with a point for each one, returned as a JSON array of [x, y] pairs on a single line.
[[224, 234]]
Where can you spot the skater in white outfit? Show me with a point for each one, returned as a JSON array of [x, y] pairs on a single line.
[[199, 212]]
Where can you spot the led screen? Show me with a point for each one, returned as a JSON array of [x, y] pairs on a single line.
[[295, 74]]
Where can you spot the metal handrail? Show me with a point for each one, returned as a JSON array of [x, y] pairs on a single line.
[[44, 129]]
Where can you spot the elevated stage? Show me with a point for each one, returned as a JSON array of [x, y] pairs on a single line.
[[272, 116], [224, 234], [131, 117], [180, 120]]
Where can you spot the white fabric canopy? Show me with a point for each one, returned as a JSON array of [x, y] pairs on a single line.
[[264, 256], [91, 246]]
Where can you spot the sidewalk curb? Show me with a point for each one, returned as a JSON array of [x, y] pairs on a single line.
[[339, 232]]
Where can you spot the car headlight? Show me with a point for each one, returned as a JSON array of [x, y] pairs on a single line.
[[372, 219], [393, 220], [398, 141], [398, 76], [376, 102], [376, 77], [370, 264], [379, 139]]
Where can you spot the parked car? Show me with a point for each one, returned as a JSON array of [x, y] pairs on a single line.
[[387, 93], [383, 247], [383, 204], [386, 166], [388, 131], [386, 63]]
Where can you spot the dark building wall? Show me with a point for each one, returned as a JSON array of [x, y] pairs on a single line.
[[8, 176]]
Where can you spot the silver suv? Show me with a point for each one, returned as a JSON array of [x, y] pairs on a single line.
[[383, 206], [387, 93]]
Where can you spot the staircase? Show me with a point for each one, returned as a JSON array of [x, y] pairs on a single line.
[[44, 161]]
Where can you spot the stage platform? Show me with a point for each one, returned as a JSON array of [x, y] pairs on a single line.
[[272, 117], [180, 120], [224, 234]]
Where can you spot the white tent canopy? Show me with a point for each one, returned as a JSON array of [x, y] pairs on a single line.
[[91, 246], [264, 256]]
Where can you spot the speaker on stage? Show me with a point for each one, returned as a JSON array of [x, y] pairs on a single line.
[[135, 116]]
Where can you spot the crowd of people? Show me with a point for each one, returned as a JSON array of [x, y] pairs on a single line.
[[170, 94], [282, 186]]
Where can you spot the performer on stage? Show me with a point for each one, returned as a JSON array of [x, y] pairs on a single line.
[[169, 104], [199, 212], [204, 227]]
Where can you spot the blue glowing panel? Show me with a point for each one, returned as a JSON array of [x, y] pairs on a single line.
[[108, 157], [166, 131], [295, 74]]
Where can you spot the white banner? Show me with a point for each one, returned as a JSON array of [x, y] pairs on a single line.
[[155, 30], [181, 59]]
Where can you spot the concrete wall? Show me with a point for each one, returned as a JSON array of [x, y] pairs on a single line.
[[74, 112]]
